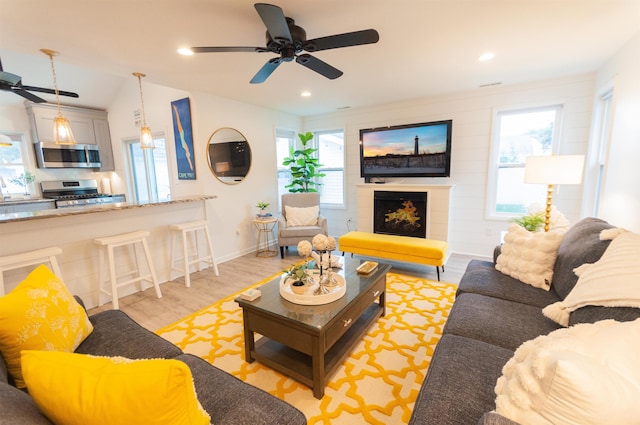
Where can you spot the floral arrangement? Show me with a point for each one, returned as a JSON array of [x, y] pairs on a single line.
[[300, 272]]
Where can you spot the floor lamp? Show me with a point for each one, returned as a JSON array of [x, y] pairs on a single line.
[[552, 170]]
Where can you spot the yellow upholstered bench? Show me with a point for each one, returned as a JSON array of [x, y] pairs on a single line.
[[392, 247]]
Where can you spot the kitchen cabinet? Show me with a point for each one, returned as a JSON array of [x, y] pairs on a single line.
[[89, 126]]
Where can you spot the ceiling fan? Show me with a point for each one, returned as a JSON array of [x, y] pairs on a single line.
[[13, 83], [288, 40]]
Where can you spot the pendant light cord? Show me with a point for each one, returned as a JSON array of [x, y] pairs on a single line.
[[144, 118], [55, 82]]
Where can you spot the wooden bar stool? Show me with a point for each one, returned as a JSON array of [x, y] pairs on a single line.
[[107, 259], [40, 256], [189, 259]]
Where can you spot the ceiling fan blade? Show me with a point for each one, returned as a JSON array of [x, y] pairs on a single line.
[[266, 70], [274, 20], [51, 91], [348, 39], [227, 49], [29, 96], [318, 66]]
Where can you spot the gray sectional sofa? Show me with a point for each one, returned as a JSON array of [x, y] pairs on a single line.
[[228, 400], [493, 314]]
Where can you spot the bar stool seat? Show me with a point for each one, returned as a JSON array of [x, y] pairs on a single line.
[[190, 258], [108, 264], [40, 256]]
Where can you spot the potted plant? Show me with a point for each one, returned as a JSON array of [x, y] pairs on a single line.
[[532, 222], [24, 180], [298, 277], [262, 205], [303, 166]]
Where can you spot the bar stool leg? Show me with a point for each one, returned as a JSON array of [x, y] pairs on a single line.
[[185, 255], [151, 268], [214, 264], [112, 277]]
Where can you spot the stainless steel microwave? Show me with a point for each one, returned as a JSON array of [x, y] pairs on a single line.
[[50, 155]]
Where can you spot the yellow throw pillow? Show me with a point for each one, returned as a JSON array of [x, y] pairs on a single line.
[[80, 389], [40, 314]]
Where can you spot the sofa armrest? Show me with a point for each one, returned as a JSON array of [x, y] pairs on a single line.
[[492, 418], [322, 223], [496, 253]]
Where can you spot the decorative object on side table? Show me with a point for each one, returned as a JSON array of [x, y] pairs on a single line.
[[263, 205]]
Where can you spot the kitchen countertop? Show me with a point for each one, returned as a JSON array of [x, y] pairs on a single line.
[[61, 212]]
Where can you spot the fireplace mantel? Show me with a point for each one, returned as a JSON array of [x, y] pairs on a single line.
[[438, 206]]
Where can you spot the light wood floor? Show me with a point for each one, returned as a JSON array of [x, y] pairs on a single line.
[[206, 288]]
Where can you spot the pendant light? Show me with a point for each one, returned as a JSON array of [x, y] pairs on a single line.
[[146, 138], [62, 133]]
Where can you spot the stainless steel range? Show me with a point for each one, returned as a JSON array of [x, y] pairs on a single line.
[[77, 193]]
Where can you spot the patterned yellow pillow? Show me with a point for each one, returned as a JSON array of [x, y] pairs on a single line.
[[39, 314], [78, 389]]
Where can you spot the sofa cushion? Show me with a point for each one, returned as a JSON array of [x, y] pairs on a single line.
[[459, 384], [529, 256], [229, 401], [592, 314], [116, 334], [16, 407], [581, 244], [506, 324], [76, 389], [587, 374], [612, 281], [482, 278], [39, 314]]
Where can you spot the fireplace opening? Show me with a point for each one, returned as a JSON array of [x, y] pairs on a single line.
[[400, 213]]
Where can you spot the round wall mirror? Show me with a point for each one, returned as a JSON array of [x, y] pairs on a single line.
[[229, 155]]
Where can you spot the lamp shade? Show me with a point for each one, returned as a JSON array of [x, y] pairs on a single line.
[[554, 169]]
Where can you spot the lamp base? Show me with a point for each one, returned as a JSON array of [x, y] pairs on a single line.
[[547, 212]]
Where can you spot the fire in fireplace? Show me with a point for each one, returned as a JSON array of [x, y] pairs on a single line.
[[400, 213]]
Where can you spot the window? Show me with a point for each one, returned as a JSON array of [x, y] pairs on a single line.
[[14, 163], [330, 145], [518, 134], [602, 139], [148, 170], [284, 139]]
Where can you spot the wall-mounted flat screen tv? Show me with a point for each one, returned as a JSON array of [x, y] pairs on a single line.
[[412, 150]]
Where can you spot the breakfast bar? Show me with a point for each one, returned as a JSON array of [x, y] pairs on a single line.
[[74, 229]]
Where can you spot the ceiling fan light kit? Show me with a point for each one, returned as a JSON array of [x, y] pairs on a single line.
[[289, 40], [62, 133]]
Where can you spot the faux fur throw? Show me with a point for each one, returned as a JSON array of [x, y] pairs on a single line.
[[530, 256], [612, 281]]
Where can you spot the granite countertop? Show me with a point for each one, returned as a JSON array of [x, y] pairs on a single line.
[[61, 212]]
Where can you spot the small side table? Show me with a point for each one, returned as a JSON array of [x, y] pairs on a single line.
[[266, 237]]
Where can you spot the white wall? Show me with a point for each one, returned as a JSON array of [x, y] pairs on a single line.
[[620, 201], [472, 114], [231, 214]]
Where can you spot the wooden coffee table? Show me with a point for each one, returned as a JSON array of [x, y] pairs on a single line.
[[308, 343]]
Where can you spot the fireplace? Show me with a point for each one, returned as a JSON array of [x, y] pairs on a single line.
[[400, 213]]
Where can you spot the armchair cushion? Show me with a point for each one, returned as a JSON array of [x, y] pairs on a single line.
[[305, 216]]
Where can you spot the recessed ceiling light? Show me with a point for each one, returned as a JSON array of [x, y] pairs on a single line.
[[185, 51], [305, 93], [486, 56]]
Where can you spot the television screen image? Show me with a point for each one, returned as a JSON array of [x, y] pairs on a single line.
[[412, 150]]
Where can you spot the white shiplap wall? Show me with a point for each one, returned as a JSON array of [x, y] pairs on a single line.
[[472, 114]]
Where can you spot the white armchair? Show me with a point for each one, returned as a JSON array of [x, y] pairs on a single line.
[[300, 219]]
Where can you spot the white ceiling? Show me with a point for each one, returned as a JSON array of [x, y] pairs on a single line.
[[426, 47]]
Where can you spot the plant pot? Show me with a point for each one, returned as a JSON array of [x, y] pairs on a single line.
[[298, 287]]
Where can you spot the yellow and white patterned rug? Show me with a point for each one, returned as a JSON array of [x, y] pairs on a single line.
[[377, 384]]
